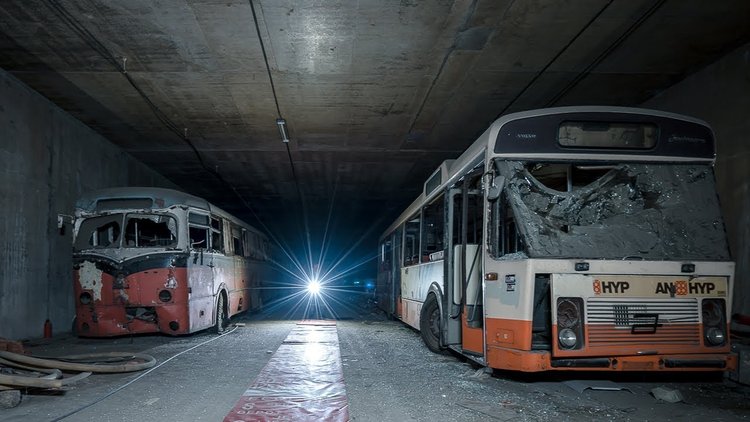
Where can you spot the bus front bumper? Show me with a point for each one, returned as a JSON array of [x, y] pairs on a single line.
[[533, 361]]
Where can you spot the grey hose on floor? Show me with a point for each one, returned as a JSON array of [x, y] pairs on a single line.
[[43, 382], [146, 361]]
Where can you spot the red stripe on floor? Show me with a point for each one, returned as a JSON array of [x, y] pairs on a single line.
[[303, 380]]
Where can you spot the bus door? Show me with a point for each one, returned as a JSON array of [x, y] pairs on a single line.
[[242, 275], [388, 291], [200, 272], [395, 275], [222, 267], [466, 264]]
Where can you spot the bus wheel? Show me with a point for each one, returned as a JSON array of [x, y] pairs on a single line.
[[221, 315], [429, 324]]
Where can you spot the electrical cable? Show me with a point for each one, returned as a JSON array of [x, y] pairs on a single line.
[[265, 57], [554, 59], [300, 198], [102, 398], [464, 26], [612, 47], [91, 40]]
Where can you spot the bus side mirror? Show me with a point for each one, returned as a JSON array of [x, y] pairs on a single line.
[[495, 187]]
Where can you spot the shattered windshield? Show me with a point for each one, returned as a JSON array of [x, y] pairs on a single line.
[[99, 232], [150, 231], [622, 211], [140, 231]]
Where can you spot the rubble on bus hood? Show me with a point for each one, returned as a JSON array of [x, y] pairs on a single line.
[[649, 211]]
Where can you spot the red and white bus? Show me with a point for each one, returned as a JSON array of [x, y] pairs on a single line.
[[573, 238], [158, 260]]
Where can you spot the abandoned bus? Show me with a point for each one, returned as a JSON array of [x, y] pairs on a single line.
[[573, 238], [158, 260]]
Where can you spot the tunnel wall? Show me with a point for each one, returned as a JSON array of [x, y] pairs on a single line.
[[720, 95], [47, 158]]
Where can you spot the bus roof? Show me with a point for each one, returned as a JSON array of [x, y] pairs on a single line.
[[159, 197], [132, 197], [677, 138]]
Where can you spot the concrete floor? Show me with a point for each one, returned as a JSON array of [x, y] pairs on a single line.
[[389, 374]]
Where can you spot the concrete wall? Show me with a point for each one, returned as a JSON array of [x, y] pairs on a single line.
[[47, 158], [720, 95]]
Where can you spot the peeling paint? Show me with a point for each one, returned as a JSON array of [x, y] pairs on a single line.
[[90, 278]]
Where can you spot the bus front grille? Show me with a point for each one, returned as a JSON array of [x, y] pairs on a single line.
[[621, 322]]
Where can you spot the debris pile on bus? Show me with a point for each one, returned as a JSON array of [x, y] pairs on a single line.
[[631, 211]]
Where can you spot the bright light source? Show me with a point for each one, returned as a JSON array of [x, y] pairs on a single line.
[[313, 287]]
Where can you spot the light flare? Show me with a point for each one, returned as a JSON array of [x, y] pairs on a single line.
[[314, 287]]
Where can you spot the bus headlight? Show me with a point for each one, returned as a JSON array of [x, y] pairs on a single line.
[[85, 298], [165, 295], [714, 322], [715, 336], [567, 338], [570, 322]]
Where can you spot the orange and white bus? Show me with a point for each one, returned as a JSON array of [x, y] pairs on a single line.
[[572, 238], [151, 260]]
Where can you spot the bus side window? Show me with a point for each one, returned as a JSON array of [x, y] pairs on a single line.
[[432, 229], [217, 234], [198, 237], [264, 249], [411, 241], [237, 244], [510, 236], [245, 244], [503, 233], [198, 230], [253, 251]]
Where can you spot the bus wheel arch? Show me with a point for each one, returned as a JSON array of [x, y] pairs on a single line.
[[222, 316], [430, 323]]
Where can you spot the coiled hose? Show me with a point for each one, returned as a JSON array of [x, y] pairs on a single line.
[[111, 362], [91, 362]]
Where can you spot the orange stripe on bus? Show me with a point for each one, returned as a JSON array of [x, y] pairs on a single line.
[[472, 339], [511, 333]]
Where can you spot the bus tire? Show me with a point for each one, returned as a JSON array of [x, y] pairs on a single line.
[[221, 315], [429, 324]]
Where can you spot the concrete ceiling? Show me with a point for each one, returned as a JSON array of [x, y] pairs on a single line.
[[376, 93]]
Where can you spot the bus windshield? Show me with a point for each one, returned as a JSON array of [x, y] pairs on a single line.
[[140, 231], [660, 211]]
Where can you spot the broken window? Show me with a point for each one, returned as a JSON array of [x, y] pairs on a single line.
[[504, 240], [238, 246], [150, 231], [198, 228], [217, 234], [99, 232], [621, 211]]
